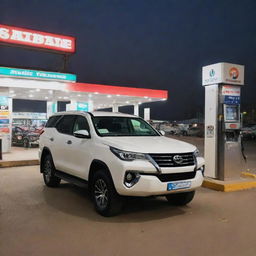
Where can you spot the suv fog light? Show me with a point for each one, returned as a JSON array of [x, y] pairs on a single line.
[[131, 178], [201, 169]]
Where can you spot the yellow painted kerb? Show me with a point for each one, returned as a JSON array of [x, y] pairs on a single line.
[[228, 187], [248, 174]]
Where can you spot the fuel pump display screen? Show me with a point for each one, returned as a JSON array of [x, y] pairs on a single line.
[[231, 114]]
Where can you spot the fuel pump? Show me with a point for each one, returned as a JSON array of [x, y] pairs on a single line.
[[230, 148], [223, 141]]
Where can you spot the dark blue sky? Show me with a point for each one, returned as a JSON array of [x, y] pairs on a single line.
[[142, 43]]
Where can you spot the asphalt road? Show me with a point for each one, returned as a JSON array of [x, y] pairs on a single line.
[[37, 220]]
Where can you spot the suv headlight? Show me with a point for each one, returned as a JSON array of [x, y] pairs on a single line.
[[127, 155], [196, 153]]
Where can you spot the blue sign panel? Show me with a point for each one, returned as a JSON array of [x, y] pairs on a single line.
[[4, 121], [37, 74], [82, 106], [232, 100]]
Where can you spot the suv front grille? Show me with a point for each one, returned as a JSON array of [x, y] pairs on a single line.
[[176, 176], [166, 177], [174, 160]]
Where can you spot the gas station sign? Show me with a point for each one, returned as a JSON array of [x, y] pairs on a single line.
[[36, 39], [26, 73], [223, 73], [231, 90], [223, 148], [232, 100]]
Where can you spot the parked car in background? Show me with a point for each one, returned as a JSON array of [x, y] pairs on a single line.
[[249, 132], [195, 131], [170, 129], [183, 129], [24, 137]]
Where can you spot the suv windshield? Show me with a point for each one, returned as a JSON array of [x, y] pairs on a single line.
[[122, 126]]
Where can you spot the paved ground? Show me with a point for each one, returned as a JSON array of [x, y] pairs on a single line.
[[21, 153], [36, 220]]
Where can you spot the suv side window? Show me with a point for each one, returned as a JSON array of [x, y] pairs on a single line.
[[65, 125], [81, 124], [52, 121]]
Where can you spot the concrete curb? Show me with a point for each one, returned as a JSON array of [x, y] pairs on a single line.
[[229, 186], [248, 174], [5, 164]]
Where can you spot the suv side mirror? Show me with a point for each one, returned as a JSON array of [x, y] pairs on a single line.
[[83, 134], [162, 132]]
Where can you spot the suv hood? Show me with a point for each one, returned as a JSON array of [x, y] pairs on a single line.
[[150, 144]]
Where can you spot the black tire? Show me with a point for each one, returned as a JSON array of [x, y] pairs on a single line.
[[106, 200], [26, 143], [48, 170], [180, 199]]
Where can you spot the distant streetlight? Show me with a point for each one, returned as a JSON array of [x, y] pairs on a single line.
[[242, 118]]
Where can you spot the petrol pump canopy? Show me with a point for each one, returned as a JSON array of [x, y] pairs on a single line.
[[25, 86], [15, 36]]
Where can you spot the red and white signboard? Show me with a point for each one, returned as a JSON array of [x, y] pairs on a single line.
[[231, 90], [37, 39]]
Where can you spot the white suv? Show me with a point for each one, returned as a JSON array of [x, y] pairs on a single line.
[[117, 155]]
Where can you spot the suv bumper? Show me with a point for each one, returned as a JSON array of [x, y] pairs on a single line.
[[149, 185]]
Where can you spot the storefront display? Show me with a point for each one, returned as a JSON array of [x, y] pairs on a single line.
[[26, 128]]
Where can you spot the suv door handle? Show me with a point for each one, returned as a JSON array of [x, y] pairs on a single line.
[[51, 139], [69, 142]]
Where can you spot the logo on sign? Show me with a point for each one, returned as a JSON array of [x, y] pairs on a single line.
[[234, 73], [212, 73]]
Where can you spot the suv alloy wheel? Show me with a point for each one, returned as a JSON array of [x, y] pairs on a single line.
[[106, 200], [48, 172]]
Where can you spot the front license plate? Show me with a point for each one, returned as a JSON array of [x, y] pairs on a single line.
[[178, 185]]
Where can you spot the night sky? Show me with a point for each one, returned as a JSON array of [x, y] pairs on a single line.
[[156, 44]]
